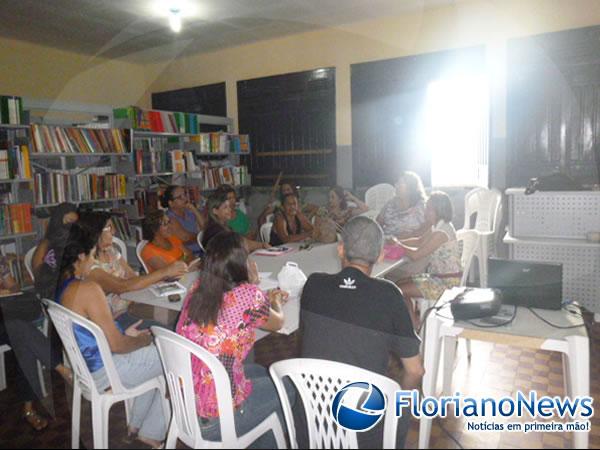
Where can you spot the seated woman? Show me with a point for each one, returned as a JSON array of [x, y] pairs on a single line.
[[61, 219], [163, 247], [445, 268], [136, 358], [219, 214], [186, 220], [112, 272], [239, 222], [339, 208], [28, 344], [403, 216], [221, 313], [275, 205], [291, 225]]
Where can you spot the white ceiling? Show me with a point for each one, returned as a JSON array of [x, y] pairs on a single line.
[[132, 29]]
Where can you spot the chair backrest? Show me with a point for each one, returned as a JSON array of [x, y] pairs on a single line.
[[64, 319], [121, 246], [265, 231], [175, 353], [377, 196], [28, 261], [486, 204], [468, 241], [317, 382], [199, 239], [138, 251]]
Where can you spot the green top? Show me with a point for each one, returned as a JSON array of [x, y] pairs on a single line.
[[240, 224]]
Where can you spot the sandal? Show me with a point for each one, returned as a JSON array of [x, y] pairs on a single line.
[[37, 421]]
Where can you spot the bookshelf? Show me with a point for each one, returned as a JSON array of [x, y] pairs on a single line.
[[16, 228]]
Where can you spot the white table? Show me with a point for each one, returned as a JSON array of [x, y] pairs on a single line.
[[525, 331], [319, 258]]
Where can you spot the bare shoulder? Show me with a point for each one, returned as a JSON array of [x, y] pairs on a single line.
[[89, 290]]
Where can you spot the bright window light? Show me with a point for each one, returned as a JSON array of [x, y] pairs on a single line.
[[455, 131]]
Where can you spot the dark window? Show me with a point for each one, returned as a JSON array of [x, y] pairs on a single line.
[[209, 100], [553, 106], [389, 98], [291, 122]]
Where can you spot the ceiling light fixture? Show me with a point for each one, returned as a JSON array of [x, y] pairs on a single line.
[[175, 19]]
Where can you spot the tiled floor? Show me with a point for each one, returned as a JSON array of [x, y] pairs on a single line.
[[494, 370]]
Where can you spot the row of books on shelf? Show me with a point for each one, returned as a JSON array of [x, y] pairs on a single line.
[[58, 187], [11, 110], [121, 223], [14, 163], [214, 176], [177, 161], [15, 218], [50, 139], [222, 143], [158, 121]]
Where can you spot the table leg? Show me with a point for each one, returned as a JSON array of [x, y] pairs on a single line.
[[432, 358], [578, 362], [450, 343]]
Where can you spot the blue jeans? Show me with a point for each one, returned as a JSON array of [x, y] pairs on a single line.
[[134, 368], [261, 403]]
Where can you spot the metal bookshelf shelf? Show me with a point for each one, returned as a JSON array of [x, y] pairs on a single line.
[[10, 237], [16, 180], [147, 133], [83, 202], [54, 155], [11, 126]]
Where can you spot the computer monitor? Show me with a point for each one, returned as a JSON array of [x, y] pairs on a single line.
[[527, 283]]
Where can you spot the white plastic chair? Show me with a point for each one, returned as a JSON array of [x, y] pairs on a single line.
[[486, 204], [138, 251], [199, 239], [377, 196], [176, 354], [121, 246], [265, 231], [28, 261], [83, 383], [317, 382]]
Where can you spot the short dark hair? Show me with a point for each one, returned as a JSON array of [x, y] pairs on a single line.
[[151, 223], [168, 195], [225, 267], [214, 202], [363, 240], [227, 189], [57, 230], [442, 205]]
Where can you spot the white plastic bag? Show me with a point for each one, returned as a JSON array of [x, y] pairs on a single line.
[[291, 279]]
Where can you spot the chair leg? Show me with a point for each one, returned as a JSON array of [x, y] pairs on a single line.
[[468, 344], [2, 372], [40, 369], [171, 441], [75, 416], [278, 433], [449, 356]]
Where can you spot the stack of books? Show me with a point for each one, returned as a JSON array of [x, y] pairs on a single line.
[[14, 163], [177, 161], [215, 175], [11, 110], [49, 139]]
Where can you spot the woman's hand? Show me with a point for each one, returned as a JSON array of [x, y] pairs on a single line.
[[176, 269], [253, 272], [133, 331], [277, 297]]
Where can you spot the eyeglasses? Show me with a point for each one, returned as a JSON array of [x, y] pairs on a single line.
[[180, 196]]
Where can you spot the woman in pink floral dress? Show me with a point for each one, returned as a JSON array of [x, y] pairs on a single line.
[[221, 313]]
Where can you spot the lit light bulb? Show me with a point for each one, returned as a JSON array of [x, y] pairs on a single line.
[[175, 20]]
